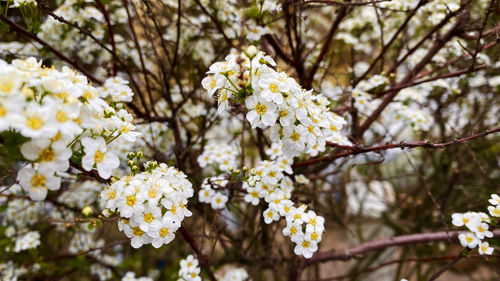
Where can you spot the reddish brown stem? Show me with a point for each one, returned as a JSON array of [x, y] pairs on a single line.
[[203, 259]]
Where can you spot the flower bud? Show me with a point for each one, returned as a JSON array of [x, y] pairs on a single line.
[[87, 211], [252, 51]]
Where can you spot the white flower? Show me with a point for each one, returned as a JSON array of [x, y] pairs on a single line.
[[28, 241], [313, 235], [131, 202], [256, 32], [468, 240], [188, 265], [294, 230], [301, 179], [485, 249], [37, 181], [252, 196], [146, 217], [212, 83], [469, 219], [305, 247], [55, 156], [494, 210], [261, 113], [205, 195], [218, 200], [294, 139], [481, 231], [96, 154], [272, 87], [162, 231], [38, 120], [270, 215], [495, 199], [275, 151]]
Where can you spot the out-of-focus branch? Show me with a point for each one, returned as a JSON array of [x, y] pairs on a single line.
[[62, 56], [438, 44], [338, 3], [111, 34], [385, 48], [203, 259], [398, 261], [326, 46], [359, 150], [360, 250], [277, 48]]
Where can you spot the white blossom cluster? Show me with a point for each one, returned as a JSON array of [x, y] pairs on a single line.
[[189, 269], [9, 271], [299, 119], [233, 274], [478, 226], [269, 181], [20, 213], [102, 272], [221, 154], [210, 194], [130, 276], [404, 109], [81, 194], [27, 241], [58, 112], [152, 204]]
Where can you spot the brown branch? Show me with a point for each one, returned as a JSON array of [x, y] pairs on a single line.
[[385, 48], [277, 48], [438, 44], [437, 77], [396, 261], [359, 150], [62, 56], [216, 21], [337, 3], [359, 250], [111, 35], [326, 46], [446, 267], [203, 259], [141, 60]]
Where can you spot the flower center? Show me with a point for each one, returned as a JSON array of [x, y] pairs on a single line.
[[3, 111], [314, 236], [148, 217], [34, 123], [61, 117], [47, 155], [151, 194], [131, 200], [273, 87], [98, 156], [164, 231], [124, 129], [305, 244], [261, 109], [38, 180], [6, 86], [295, 136], [137, 231]]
